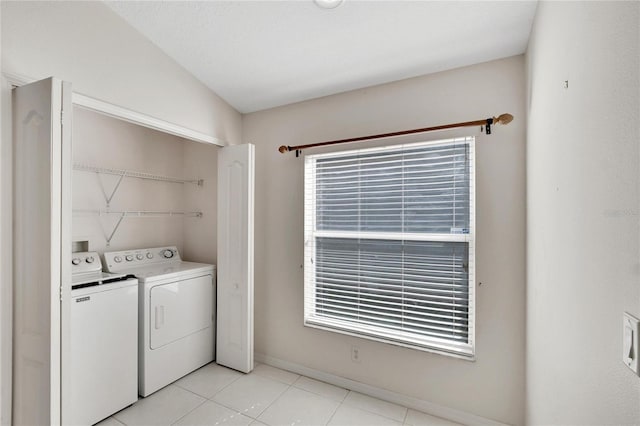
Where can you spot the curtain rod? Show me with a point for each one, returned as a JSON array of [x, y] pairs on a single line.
[[501, 119]]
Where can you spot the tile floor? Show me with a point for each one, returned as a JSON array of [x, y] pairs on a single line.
[[215, 395]]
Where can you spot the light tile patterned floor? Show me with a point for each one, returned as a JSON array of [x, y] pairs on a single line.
[[215, 395]]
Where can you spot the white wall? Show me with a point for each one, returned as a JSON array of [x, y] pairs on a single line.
[[89, 45], [107, 142], [583, 198], [493, 385]]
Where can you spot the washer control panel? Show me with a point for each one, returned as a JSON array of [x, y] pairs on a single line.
[[86, 261], [117, 261]]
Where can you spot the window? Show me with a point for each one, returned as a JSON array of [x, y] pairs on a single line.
[[389, 244]]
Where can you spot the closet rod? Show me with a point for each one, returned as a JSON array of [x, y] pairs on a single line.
[[487, 122], [134, 174]]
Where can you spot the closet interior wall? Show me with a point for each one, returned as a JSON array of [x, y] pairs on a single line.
[[106, 142]]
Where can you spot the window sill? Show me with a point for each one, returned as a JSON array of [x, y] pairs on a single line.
[[466, 355]]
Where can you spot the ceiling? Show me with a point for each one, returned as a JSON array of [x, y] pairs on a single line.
[[261, 54]]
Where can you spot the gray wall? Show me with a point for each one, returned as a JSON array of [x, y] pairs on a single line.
[[493, 385], [583, 203]]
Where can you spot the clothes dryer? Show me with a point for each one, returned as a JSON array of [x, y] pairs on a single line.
[[176, 313]]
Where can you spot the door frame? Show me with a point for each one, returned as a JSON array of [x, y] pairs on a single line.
[[134, 117]]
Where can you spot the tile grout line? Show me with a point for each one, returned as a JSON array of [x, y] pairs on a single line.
[[273, 402], [227, 406], [334, 413], [114, 419], [202, 396], [144, 398], [289, 386], [293, 384], [343, 402], [245, 413], [373, 412], [193, 393], [175, 383], [235, 410], [339, 405], [406, 414], [277, 380], [224, 387], [419, 410], [339, 401], [123, 409], [345, 397], [117, 419], [188, 390], [319, 394], [190, 411]]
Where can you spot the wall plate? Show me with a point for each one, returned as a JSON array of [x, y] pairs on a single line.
[[630, 332]]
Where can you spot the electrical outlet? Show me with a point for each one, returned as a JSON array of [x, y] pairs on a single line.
[[355, 354]]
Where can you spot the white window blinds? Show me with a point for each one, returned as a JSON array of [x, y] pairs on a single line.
[[389, 244]]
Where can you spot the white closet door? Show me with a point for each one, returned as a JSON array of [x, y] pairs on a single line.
[[234, 342], [42, 211]]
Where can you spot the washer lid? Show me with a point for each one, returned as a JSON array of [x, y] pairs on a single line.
[[168, 270], [94, 277]]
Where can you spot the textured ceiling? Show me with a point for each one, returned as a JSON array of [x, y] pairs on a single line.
[[261, 54]]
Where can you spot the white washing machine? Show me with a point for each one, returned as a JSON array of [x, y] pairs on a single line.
[[176, 313], [103, 334]]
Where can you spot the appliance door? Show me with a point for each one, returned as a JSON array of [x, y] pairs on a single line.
[[179, 309], [104, 352]]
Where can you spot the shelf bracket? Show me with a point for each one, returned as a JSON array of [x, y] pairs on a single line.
[[115, 229], [115, 188]]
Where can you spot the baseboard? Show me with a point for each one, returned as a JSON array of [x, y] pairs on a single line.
[[434, 409]]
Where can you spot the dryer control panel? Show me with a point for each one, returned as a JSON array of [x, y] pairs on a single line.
[[117, 261]]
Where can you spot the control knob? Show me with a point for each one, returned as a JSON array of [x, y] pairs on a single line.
[[75, 261], [149, 255], [117, 259], [168, 254], [129, 258], [139, 256], [89, 259]]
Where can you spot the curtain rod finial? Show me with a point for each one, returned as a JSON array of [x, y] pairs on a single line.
[[504, 119], [283, 149]]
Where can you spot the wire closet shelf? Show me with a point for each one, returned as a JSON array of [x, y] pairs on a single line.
[[122, 173], [134, 174]]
